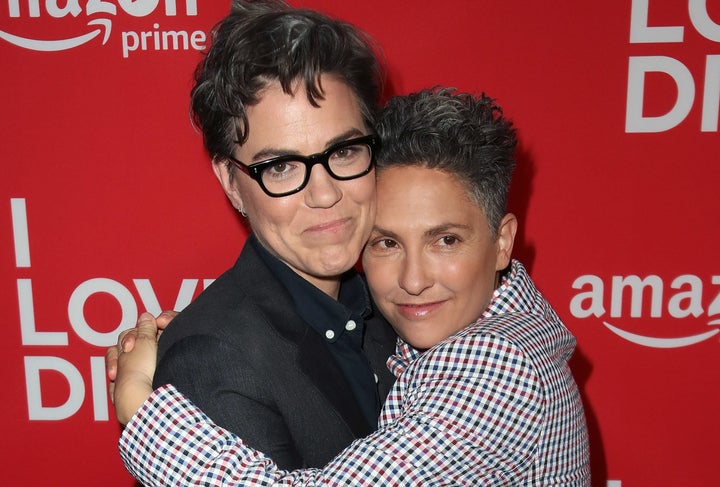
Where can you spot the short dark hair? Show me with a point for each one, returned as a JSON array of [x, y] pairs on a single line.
[[462, 134], [261, 42]]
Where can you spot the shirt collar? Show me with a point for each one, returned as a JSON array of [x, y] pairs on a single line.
[[316, 308], [515, 293]]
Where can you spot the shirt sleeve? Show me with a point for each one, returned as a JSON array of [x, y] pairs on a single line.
[[470, 415]]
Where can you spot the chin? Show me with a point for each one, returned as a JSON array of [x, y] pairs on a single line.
[[420, 342], [338, 263], [330, 270]]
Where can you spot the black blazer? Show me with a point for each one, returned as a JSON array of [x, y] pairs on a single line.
[[242, 354]]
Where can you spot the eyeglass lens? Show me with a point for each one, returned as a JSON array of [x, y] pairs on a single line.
[[344, 162]]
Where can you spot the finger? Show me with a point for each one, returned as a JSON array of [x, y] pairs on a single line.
[[164, 318], [147, 326], [126, 340], [111, 357]]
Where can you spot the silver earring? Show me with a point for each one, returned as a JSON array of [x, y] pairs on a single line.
[[242, 212]]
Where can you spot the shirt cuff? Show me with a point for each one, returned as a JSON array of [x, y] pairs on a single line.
[[154, 428]]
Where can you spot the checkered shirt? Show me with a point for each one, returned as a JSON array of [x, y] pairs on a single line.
[[494, 404]]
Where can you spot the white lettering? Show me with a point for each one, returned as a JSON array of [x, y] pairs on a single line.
[[636, 286], [693, 297], [158, 40], [27, 320], [36, 410], [43, 412], [711, 98], [33, 8], [150, 301], [130, 42], [76, 308], [20, 232], [714, 308], [175, 37], [71, 7], [594, 296], [702, 21], [100, 6], [686, 302], [197, 40], [190, 7], [635, 122], [142, 8], [99, 388], [640, 32], [138, 8]]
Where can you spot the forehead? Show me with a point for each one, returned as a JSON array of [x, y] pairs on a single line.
[[420, 197], [290, 122]]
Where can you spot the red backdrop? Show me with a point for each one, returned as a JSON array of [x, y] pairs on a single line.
[[108, 205]]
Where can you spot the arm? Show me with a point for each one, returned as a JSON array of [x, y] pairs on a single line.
[[230, 386], [470, 422]]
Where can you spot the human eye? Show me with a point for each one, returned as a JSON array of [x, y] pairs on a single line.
[[382, 244], [349, 154], [281, 170], [448, 241]]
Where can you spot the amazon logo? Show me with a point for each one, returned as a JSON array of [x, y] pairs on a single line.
[[98, 24], [620, 302]]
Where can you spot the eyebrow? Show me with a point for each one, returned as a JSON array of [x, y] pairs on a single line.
[[444, 228], [432, 232], [270, 152]]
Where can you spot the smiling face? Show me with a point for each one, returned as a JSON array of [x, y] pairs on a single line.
[[431, 261], [319, 231]]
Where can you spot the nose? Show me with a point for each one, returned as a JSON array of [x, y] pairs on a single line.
[[322, 190], [415, 274]]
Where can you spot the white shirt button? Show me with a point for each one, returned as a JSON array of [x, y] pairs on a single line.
[[350, 325], [329, 334]]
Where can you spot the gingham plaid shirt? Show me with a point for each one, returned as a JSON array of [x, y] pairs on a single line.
[[494, 404]]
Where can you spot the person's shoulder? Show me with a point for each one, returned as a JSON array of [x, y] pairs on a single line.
[[224, 311], [518, 335], [518, 327]]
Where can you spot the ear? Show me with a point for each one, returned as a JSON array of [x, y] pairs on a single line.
[[222, 172], [505, 241]]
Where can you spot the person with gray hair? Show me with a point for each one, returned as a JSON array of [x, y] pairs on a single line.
[[484, 394]]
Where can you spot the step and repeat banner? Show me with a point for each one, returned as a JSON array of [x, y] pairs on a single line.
[[108, 205]]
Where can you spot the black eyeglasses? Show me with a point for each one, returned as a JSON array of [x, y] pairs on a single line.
[[285, 175]]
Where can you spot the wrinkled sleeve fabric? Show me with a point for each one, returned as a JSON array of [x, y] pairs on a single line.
[[467, 413]]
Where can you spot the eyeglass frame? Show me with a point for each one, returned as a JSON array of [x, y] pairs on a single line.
[[323, 158]]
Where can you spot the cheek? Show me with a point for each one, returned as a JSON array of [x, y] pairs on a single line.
[[267, 213], [371, 273], [379, 277], [472, 284], [362, 191], [457, 274]]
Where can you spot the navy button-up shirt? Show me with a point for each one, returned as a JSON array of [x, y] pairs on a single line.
[[340, 322]]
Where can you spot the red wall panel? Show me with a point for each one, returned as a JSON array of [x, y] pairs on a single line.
[[108, 205]]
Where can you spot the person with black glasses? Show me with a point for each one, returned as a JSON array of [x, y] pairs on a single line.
[[284, 348], [484, 395]]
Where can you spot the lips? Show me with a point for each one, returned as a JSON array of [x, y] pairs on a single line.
[[418, 311], [334, 226]]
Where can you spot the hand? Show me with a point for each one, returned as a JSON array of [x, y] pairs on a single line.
[[126, 342], [136, 367]]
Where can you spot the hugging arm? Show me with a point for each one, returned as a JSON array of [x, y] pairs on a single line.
[[460, 424]]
